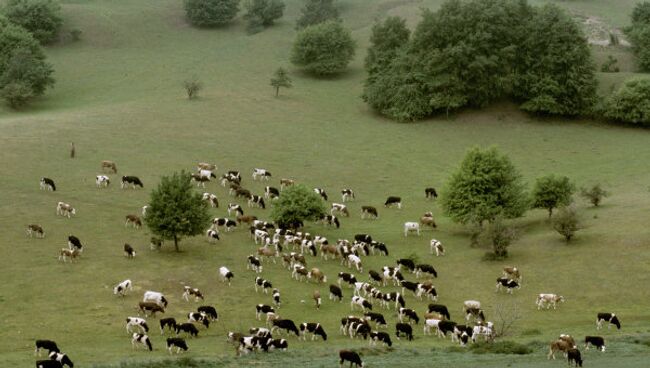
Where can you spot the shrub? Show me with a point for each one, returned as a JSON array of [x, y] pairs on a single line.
[[550, 192], [211, 13], [499, 236], [609, 66], [296, 205], [192, 87], [315, 12], [566, 222], [16, 94], [500, 347], [75, 34], [630, 103], [42, 18], [323, 49], [262, 13], [639, 34], [280, 79], [595, 194]]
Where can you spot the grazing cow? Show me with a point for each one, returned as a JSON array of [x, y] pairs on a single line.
[[558, 345], [355, 261], [34, 229], [512, 273], [439, 308], [404, 329], [261, 173], [573, 356], [427, 220], [430, 193], [347, 194], [231, 178], [314, 328], [155, 296], [597, 341], [46, 344], [109, 165], [286, 183], [212, 235], [380, 336], [317, 274], [176, 342], [188, 328], [299, 272], [548, 301], [607, 317], [47, 183], [271, 192], [361, 303], [190, 291], [347, 277], [246, 219], [211, 199], [340, 208], [225, 222], [336, 293], [410, 313], [425, 268], [207, 174], [375, 276], [64, 359], [131, 180], [133, 220], [317, 298], [209, 311], [122, 288], [369, 211], [445, 327], [74, 243], [436, 246], [129, 252], [427, 289], [392, 273], [485, 330], [65, 209], [262, 309], [138, 322], [170, 323], [280, 344], [350, 356], [331, 220], [378, 318], [380, 247], [276, 297], [476, 313], [431, 323], [254, 264], [198, 317], [200, 180], [102, 181], [150, 307], [255, 200], [234, 207], [409, 264], [264, 284], [411, 227], [285, 324], [66, 254], [206, 166], [569, 339], [144, 210], [226, 274], [141, 339], [393, 201], [321, 193], [508, 284], [48, 364]]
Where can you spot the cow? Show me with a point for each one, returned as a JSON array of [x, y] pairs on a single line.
[[347, 277], [129, 252], [262, 309], [597, 341], [548, 300], [176, 342], [155, 296], [286, 183], [607, 317], [369, 212], [212, 235], [275, 294], [436, 247], [190, 291], [150, 307], [102, 181], [411, 227], [476, 313], [430, 323], [378, 318], [427, 220], [170, 323], [299, 272], [380, 247], [264, 284], [404, 329], [66, 254], [230, 178], [234, 207], [573, 356], [359, 329], [439, 308], [35, 230], [131, 180], [569, 339], [48, 364], [330, 220], [122, 288], [209, 312], [248, 219], [317, 275], [144, 210], [48, 184], [261, 173], [251, 343], [64, 209], [486, 330], [64, 359], [321, 193], [285, 324], [512, 273], [361, 303], [74, 243], [280, 344], [427, 289], [350, 356], [155, 243], [445, 327], [347, 194], [426, 269], [254, 263], [392, 273], [340, 208], [255, 200], [226, 274], [316, 329], [408, 285], [207, 174], [336, 293], [355, 261], [380, 336], [205, 166], [109, 165], [393, 201], [407, 312], [271, 192], [211, 199], [558, 345], [508, 284], [138, 322], [141, 339], [188, 328], [225, 222], [133, 220], [409, 264], [430, 193], [198, 317], [199, 179], [46, 344]]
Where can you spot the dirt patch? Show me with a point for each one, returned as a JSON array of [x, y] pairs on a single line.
[[598, 32]]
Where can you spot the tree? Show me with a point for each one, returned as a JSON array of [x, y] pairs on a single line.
[[317, 11], [566, 222], [323, 49], [630, 103], [641, 14], [175, 210], [484, 186], [211, 13], [192, 87], [296, 205], [595, 194], [639, 34], [262, 13], [42, 18], [551, 192], [499, 236], [387, 39], [280, 79]]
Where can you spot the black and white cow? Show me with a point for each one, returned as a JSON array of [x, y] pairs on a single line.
[[425, 268], [226, 274], [340, 208], [430, 193], [188, 328], [212, 235], [224, 222], [122, 288], [64, 359], [597, 341], [102, 181], [392, 273], [369, 211], [375, 276], [141, 339], [393, 201], [607, 317], [359, 329], [46, 344], [150, 307], [407, 312], [129, 252], [48, 364], [199, 179], [350, 356], [261, 309], [336, 293], [271, 192], [347, 277], [176, 342], [189, 291], [261, 173], [394, 297], [131, 180], [255, 200], [378, 318], [331, 220], [264, 284], [409, 264], [508, 284], [138, 322], [48, 184], [199, 318], [404, 329], [380, 336], [437, 248], [279, 344], [316, 329], [445, 327], [439, 308], [428, 290], [365, 238], [573, 356], [254, 263], [285, 324], [408, 285], [155, 296], [169, 323], [209, 312], [321, 193], [347, 194], [234, 207], [276, 297], [380, 247], [360, 302], [74, 243]]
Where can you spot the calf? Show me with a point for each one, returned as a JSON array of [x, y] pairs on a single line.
[[129, 252], [150, 307], [347, 194], [393, 201], [410, 313], [262, 309], [140, 323], [190, 291], [369, 212], [227, 223], [211, 199], [46, 344], [404, 329], [255, 200], [133, 220], [142, 340], [439, 308], [411, 227], [430, 193], [188, 328], [321, 193], [264, 284], [597, 341], [122, 288], [47, 183], [170, 323], [573, 356], [607, 317], [340, 208], [336, 293], [425, 268], [350, 356], [548, 300], [212, 235], [261, 173], [64, 209], [176, 342], [109, 165], [226, 274], [380, 336], [508, 284], [209, 311], [314, 328], [34, 229], [64, 359], [436, 247], [66, 254], [131, 180], [287, 325], [74, 243]]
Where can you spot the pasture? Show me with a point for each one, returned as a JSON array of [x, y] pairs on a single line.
[[119, 97]]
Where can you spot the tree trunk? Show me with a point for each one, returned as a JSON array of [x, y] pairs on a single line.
[[277, 91], [550, 212], [176, 243]]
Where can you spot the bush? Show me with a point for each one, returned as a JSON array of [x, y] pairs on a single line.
[[296, 205], [317, 11], [323, 49], [75, 34], [595, 194], [499, 236], [639, 34], [16, 94], [550, 192], [262, 13], [211, 13], [609, 66], [192, 87], [500, 347], [566, 222], [42, 18], [630, 103]]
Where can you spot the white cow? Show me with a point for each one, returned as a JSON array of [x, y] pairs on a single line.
[[225, 274], [156, 297], [436, 246], [355, 261], [102, 181], [429, 324], [548, 301], [122, 288], [261, 173], [410, 227]]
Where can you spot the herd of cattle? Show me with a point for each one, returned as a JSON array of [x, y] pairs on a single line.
[[292, 248]]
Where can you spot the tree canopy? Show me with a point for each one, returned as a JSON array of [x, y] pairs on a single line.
[[552, 192], [323, 49], [262, 13], [280, 79], [211, 13], [631, 102], [317, 11], [176, 210], [42, 18], [296, 205]]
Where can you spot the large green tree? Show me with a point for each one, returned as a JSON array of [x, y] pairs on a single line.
[[323, 49], [262, 13], [317, 11], [211, 13], [486, 185], [176, 210], [42, 18], [631, 102], [387, 39], [639, 34], [296, 205], [552, 192]]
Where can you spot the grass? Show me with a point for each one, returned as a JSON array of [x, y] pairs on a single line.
[[119, 96]]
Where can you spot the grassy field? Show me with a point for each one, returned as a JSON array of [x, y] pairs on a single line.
[[119, 97]]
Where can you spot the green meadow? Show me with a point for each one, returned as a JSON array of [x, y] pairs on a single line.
[[119, 97]]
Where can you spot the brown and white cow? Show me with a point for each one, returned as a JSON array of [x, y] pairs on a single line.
[[286, 183], [133, 220], [110, 165], [558, 345], [66, 254], [64, 209], [427, 220], [340, 208], [206, 166], [548, 301], [35, 230]]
